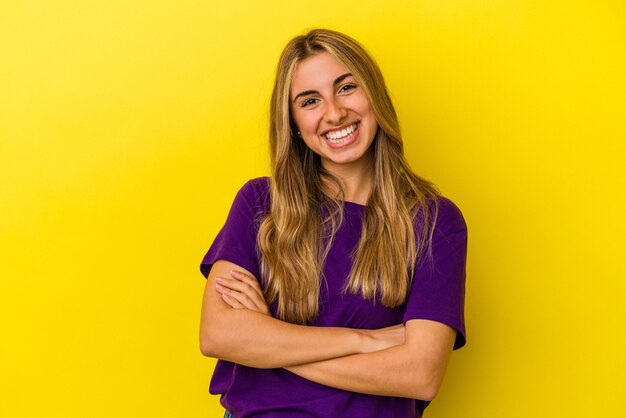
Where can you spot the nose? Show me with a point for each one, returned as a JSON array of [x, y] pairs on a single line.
[[335, 112]]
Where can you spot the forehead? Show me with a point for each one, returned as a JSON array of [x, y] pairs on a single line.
[[316, 72]]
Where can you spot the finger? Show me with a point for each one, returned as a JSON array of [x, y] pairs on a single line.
[[248, 302], [231, 302], [243, 299], [244, 288], [250, 280], [253, 283]]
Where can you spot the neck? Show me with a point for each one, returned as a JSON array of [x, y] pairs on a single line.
[[357, 178]]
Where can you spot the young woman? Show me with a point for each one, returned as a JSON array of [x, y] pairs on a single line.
[[336, 286]]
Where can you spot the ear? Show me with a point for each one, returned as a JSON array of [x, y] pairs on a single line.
[[294, 129]]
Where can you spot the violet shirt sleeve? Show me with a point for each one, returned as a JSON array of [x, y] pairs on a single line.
[[236, 241], [438, 289]]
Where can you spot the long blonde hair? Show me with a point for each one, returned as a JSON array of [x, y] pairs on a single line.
[[297, 234]]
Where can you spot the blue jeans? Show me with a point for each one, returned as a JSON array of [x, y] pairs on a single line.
[[227, 415]]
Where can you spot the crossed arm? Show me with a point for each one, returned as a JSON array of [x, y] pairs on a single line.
[[404, 361]]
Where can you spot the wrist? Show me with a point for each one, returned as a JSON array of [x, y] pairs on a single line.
[[365, 341]]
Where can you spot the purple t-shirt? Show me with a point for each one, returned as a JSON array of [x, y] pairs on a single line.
[[437, 293]]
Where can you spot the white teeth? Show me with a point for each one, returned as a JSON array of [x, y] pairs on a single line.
[[338, 137]]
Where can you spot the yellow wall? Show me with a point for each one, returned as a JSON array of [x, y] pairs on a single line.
[[126, 127]]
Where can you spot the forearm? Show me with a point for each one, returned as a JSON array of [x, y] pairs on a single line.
[[414, 369], [389, 372], [238, 331], [252, 339]]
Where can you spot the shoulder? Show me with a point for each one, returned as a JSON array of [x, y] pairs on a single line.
[[257, 187], [450, 229], [449, 219], [445, 219], [255, 193]]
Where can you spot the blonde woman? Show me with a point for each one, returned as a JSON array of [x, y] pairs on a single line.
[[336, 286]]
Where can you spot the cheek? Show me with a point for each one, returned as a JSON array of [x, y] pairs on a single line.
[[311, 143], [305, 122], [363, 107]]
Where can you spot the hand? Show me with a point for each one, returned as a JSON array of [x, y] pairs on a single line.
[[242, 291]]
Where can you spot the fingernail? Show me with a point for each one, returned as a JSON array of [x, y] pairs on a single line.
[[219, 280], [218, 287], [236, 273]]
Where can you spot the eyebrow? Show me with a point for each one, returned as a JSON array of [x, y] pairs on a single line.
[[337, 81]]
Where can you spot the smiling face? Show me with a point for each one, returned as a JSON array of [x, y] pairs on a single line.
[[332, 112]]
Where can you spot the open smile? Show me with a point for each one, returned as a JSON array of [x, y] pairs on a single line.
[[341, 136]]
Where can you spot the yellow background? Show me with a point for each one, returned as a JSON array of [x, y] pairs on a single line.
[[126, 128]]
